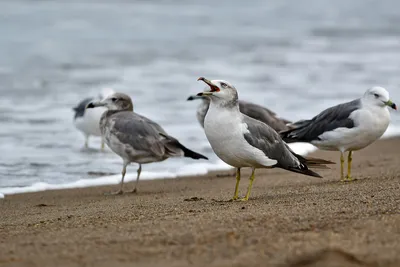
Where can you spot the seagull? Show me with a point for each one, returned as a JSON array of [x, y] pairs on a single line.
[[242, 141], [346, 127], [250, 109], [136, 138], [87, 121]]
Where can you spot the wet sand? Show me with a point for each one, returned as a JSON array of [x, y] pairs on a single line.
[[290, 220]]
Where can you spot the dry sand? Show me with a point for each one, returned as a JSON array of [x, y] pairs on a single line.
[[290, 220]]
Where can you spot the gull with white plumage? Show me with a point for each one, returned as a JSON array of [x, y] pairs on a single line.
[[252, 110], [241, 141], [350, 126]]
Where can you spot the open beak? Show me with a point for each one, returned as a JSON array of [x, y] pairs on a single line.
[[213, 87], [391, 104], [95, 104]]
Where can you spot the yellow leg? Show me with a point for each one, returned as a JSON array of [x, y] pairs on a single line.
[[341, 166], [236, 194], [349, 161], [250, 185]]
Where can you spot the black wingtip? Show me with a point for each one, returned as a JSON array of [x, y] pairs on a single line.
[[194, 155], [186, 152], [190, 98], [191, 154], [286, 136], [305, 171], [316, 161]]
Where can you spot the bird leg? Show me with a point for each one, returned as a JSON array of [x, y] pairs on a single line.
[[250, 185], [236, 194], [102, 144], [86, 141], [120, 191], [349, 161], [342, 167], [137, 178]]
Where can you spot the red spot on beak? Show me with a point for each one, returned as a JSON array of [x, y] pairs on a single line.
[[213, 87]]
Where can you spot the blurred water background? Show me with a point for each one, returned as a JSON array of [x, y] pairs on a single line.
[[295, 57]]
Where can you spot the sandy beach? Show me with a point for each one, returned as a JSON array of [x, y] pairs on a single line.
[[290, 220]]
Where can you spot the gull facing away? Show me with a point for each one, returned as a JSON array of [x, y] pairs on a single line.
[[88, 121], [346, 127], [136, 138], [241, 141], [252, 110]]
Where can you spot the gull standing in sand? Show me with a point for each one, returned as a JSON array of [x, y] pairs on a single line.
[[88, 121], [346, 127], [241, 141], [136, 138], [252, 110]]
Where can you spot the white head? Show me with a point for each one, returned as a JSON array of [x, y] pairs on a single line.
[[378, 96], [220, 90], [116, 101]]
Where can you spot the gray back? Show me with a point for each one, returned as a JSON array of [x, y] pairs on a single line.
[[328, 120], [266, 139], [263, 114]]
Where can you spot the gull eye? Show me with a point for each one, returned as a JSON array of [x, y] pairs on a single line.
[[113, 99], [224, 85], [376, 95]]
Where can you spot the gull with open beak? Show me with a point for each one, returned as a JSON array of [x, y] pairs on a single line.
[[252, 110], [346, 127], [136, 138], [241, 141]]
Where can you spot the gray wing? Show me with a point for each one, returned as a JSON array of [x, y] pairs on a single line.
[[263, 114], [328, 120], [142, 134], [80, 108], [266, 139]]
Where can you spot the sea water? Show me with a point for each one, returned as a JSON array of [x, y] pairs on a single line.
[[294, 57]]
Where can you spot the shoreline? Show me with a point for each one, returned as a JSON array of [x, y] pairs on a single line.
[[202, 169], [186, 171], [290, 220]]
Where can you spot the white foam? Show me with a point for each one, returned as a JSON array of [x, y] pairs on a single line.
[[104, 180], [187, 170], [1, 195]]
